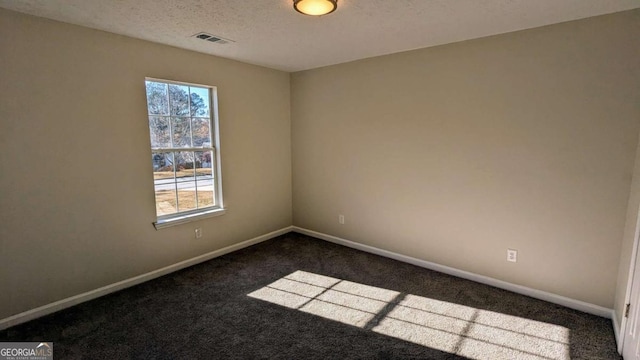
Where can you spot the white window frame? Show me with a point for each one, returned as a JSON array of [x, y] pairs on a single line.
[[217, 208]]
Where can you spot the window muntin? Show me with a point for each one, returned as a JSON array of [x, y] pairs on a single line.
[[184, 148]]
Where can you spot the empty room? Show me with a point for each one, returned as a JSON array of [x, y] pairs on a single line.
[[313, 179]]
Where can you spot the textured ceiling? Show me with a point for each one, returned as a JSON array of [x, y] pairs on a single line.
[[272, 34]]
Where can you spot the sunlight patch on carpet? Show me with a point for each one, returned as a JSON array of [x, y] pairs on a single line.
[[445, 326]]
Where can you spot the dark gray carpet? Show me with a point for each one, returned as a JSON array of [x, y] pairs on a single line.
[[204, 312]]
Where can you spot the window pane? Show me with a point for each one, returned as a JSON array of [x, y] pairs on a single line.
[[204, 178], [166, 202], [184, 166], [181, 132], [160, 132], [187, 196], [201, 134], [164, 183], [203, 162], [199, 102], [205, 198], [186, 181], [179, 100], [157, 98], [162, 165]]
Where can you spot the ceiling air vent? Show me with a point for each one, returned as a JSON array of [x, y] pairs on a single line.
[[212, 38]]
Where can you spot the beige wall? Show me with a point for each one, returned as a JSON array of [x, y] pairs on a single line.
[[455, 153], [77, 203]]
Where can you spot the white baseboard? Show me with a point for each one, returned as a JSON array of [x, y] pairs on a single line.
[[90, 295], [538, 294], [616, 331]]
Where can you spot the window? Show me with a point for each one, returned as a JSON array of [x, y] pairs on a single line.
[[185, 155]]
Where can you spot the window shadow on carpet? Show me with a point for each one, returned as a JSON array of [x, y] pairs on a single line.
[[456, 329]]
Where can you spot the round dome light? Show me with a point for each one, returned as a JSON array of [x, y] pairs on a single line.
[[315, 7]]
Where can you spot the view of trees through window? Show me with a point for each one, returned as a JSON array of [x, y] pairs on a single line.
[[182, 150]]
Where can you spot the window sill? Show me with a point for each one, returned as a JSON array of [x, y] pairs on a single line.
[[183, 219]]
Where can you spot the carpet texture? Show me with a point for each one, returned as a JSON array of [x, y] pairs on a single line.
[[296, 297]]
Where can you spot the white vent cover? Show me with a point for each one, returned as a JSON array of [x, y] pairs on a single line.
[[212, 38]]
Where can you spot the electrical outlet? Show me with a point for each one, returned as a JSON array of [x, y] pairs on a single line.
[[341, 219], [512, 255], [198, 233]]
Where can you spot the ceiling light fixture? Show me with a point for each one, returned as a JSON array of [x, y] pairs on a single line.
[[315, 7]]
